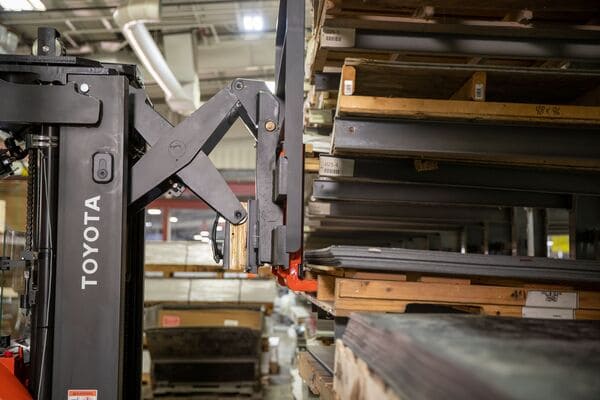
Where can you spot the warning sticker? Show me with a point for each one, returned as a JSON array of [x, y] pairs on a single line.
[[82, 394], [171, 321]]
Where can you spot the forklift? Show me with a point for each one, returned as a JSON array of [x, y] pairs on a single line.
[[98, 154]]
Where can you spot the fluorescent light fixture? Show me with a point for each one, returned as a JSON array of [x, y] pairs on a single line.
[[197, 237], [22, 5], [205, 240], [204, 233], [253, 23], [154, 211], [173, 219]]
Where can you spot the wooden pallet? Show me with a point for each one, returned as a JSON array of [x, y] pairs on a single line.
[[454, 92], [344, 292], [354, 379], [168, 270], [217, 391], [318, 379], [341, 18]]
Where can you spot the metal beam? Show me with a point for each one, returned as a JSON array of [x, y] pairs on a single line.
[[445, 43], [519, 145], [470, 175], [408, 212], [434, 194]]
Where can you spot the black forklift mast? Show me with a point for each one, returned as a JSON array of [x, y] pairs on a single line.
[[98, 154]]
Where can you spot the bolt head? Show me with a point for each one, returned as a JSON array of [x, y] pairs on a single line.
[[84, 88], [238, 85], [45, 48], [270, 126]]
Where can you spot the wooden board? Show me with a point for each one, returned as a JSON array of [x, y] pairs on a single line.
[[318, 379], [444, 81], [540, 19], [238, 248], [311, 164], [354, 380], [446, 99], [342, 292], [467, 110], [168, 270]]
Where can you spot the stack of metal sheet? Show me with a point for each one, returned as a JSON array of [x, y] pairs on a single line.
[[467, 357], [448, 263]]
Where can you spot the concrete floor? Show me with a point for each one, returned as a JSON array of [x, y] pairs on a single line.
[[280, 386]]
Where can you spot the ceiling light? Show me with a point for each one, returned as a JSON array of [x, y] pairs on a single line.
[[153, 211], [253, 23], [148, 224], [204, 233], [197, 237], [22, 5], [205, 240], [173, 219], [219, 228]]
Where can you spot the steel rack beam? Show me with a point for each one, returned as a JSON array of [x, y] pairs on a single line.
[[486, 46], [506, 144], [434, 194], [469, 175], [407, 212]]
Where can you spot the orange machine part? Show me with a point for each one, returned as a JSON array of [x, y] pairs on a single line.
[[289, 277], [10, 387]]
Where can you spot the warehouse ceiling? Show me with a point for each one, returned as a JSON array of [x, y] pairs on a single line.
[[230, 39], [228, 46]]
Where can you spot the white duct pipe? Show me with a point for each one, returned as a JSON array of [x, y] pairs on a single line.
[[130, 19]]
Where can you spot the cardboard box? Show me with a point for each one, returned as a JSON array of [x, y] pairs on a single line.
[[171, 317]]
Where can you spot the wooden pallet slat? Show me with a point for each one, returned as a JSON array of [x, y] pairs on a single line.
[[459, 105], [341, 292], [467, 110], [318, 379]]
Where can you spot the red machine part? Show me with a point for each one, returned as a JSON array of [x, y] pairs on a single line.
[[290, 277], [11, 366]]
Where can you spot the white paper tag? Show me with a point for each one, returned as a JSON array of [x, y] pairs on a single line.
[[335, 167], [82, 394], [548, 313], [479, 91], [231, 322], [551, 299], [319, 208], [348, 87], [338, 37]]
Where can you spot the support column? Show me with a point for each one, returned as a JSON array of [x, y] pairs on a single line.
[[584, 228]]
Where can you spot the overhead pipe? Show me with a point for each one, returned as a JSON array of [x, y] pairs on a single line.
[[131, 19]]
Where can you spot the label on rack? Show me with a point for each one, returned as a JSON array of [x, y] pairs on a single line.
[[479, 91], [231, 322], [548, 313], [319, 208], [82, 394], [338, 37], [335, 167], [348, 87], [551, 299]]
